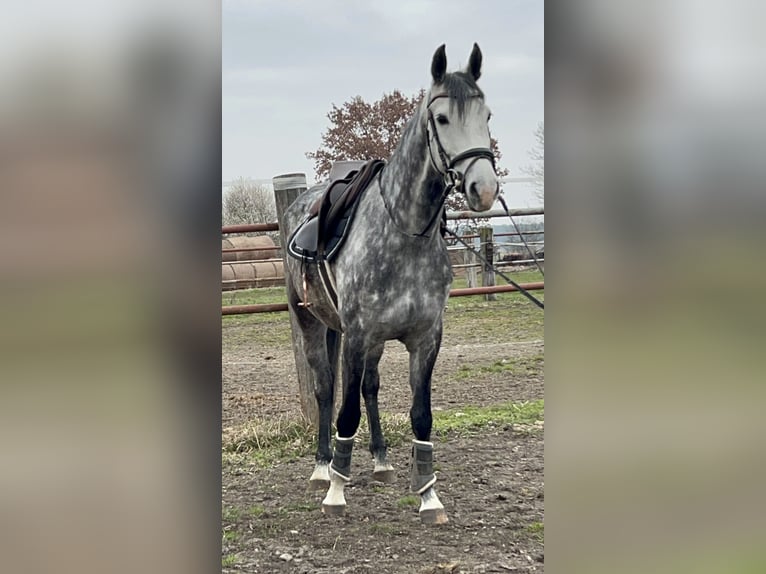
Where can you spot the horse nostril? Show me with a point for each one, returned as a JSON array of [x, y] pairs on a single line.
[[473, 189]]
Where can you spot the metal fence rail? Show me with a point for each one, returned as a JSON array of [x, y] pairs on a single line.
[[451, 215]]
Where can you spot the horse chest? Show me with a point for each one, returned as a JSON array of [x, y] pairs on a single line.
[[390, 299]]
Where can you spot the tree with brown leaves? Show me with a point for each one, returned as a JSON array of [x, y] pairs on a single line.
[[360, 131]]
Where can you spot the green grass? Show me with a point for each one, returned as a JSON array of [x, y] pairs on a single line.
[[287, 439], [256, 510], [229, 560], [231, 514], [269, 441], [384, 528], [231, 536], [528, 365], [408, 501], [537, 529], [470, 419], [300, 507]]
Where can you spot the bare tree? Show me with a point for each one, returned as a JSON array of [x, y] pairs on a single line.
[[537, 154], [247, 202]]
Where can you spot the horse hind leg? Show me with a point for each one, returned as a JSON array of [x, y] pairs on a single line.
[[320, 478], [318, 344], [382, 471], [334, 503]]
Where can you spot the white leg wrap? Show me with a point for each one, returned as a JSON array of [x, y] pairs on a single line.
[[422, 476]]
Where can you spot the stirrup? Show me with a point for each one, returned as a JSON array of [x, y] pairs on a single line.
[[305, 303]]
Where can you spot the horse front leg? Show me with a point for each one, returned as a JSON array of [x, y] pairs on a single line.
[[334, 503], [423, 355], [382, 471]]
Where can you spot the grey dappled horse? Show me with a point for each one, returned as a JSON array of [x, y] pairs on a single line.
[[392, 278]]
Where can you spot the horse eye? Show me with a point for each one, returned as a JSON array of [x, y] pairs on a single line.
[[489, 117], [442, 119]]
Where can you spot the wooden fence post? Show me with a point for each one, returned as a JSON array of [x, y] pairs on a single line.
[[286, 189], [469, 258], [487, 251]]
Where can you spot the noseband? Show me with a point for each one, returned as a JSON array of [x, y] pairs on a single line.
[[453, 178]]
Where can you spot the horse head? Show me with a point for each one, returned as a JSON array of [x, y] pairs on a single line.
[[458, 131]]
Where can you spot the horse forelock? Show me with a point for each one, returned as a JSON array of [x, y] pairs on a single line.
[[461, 89]]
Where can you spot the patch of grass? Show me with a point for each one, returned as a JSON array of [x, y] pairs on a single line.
[[537, 529], [231, 536], [470, 419], [268, 329], [229, 560], [262, 295], [407, 501], [256, 511], [300, 507], [267, 441], [264, 329], [512, 317], [287, 439], [231, 514], [527, 365], [384, 528]]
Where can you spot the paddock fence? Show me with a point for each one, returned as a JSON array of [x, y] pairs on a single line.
[[252, 261]]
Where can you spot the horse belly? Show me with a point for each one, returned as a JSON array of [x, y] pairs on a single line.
[[385, 316]]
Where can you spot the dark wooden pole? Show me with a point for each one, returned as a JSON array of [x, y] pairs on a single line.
[[286, 189], [487, 251]]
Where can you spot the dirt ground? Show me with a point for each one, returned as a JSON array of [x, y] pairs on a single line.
[[491, 482]]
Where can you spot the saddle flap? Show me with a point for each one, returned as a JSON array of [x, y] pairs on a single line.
[[307, 236]]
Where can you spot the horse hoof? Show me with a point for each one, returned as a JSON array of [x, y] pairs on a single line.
[[319, 484], [433, 516], [333, 509], [387, 475]]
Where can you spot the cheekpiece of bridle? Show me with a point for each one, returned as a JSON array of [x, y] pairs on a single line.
[[454, 178]]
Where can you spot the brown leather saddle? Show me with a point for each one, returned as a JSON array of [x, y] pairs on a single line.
[[324, 231]]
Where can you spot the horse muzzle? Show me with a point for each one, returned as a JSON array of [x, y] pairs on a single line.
[[481, 194]]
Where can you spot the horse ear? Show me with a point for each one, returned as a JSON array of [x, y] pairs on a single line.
[[439, 64], [474, 62]]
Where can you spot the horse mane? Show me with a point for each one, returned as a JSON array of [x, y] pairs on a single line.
[[460, 88]]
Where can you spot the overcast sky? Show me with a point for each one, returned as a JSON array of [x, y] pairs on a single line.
[[285, 62]]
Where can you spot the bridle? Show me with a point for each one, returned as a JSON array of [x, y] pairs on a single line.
[[453, 178]]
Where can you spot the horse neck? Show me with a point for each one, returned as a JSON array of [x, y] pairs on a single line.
[[411, 187]]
